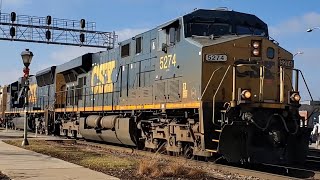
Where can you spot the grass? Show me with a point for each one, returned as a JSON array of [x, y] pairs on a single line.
[[96, 160], [158, 169], [115, 163]]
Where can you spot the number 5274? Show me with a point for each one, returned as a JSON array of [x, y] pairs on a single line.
[[167, 60]]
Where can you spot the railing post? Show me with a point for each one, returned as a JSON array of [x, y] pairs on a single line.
[[281, 84], [61, 99], [297, 81], [85, 99], [43, 103], [234, 70], [261, 83], [112, 96], [93, 97], [73, 99], [103, 100], [66, 101]]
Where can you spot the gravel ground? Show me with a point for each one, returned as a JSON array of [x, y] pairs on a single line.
[[127, 165]]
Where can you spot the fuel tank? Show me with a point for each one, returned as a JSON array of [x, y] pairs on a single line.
[[113, 129]]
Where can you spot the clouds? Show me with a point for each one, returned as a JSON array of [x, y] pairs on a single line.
[[66, 53], [308, 63], [10, 75], [292, 35], [309, 58], [297, 24], [129, 33]]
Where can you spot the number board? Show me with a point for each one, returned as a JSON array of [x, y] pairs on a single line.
[[216, 57], [286, 63]]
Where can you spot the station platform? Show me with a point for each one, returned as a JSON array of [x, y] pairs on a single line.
[[18, 163]]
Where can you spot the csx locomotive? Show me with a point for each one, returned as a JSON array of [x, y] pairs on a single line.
[[209, 82]]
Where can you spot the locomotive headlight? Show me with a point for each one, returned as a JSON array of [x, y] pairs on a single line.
[[256, 52], [295, 97], [256, 44], [256, 48], [246, 94]]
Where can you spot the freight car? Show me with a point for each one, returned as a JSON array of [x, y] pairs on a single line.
[[209, 82]]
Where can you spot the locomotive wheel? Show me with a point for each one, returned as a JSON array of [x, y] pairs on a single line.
[[188, 152], [74, 134], [151, 150], [170, 153], [65, 132]]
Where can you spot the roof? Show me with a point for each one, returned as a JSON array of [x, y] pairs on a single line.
[[206, 41], [78, 64]]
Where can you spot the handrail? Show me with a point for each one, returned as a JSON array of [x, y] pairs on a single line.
[[85, 87], [205, 89], [214, 96], [86, 93], [88, 87], [233, 84], [305, 82]]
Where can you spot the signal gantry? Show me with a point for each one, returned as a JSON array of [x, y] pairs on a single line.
[[51, 30]]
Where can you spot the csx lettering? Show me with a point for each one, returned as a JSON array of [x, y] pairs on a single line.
[[101, 78], [167, 61]]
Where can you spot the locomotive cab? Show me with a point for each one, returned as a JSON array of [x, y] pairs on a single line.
[[249, 103]]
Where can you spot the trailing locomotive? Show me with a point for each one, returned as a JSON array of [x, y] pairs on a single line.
[[209, 82]]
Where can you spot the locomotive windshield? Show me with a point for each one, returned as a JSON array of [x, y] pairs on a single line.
[[219, 23], [240, 30], [207, 29]]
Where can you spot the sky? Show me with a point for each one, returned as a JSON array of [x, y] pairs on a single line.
[[288, 21]]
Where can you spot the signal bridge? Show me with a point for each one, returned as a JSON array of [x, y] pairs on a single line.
[[54, 31]]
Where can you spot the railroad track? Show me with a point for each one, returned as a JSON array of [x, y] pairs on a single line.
[[263, 171], [314, 152], [313, 160]]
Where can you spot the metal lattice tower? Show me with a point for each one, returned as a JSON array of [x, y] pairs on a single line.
[[54, 31]]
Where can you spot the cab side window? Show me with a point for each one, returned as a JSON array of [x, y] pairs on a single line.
[[162, 39], [169, 35], [138, 45], [174, 35], [125, 50]]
